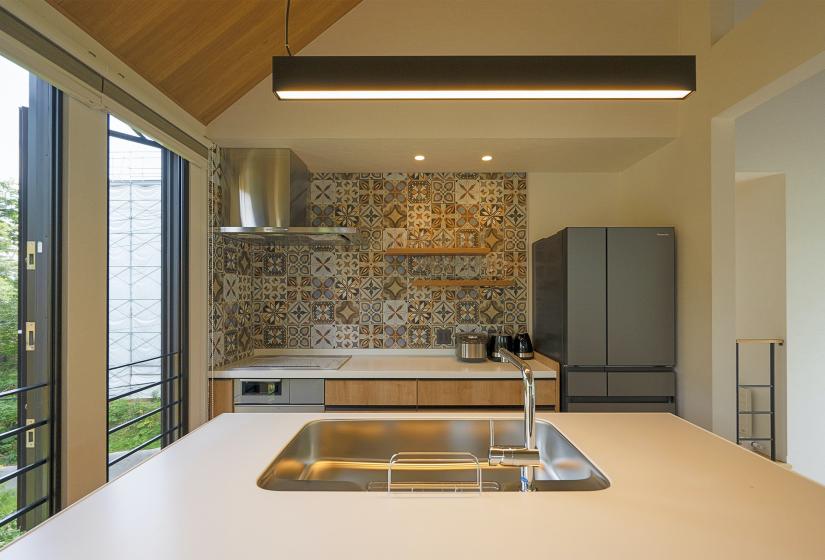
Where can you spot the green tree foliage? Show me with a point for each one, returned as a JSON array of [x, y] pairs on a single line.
[[9, 223]]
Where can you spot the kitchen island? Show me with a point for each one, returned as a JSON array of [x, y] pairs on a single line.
[[676, 491]]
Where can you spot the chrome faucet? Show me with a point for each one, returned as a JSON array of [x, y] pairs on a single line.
[[527, 457]]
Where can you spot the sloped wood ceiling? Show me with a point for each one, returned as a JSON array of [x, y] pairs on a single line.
[[203, 54]]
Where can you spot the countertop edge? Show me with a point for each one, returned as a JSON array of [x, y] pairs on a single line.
[[382, 367]]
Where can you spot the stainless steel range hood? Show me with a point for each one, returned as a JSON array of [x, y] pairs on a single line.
[[266, 200]]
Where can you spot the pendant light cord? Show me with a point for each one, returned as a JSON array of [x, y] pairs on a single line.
[[286, 28]]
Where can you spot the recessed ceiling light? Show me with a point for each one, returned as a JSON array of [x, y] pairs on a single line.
[[419, 157], [486, 158]]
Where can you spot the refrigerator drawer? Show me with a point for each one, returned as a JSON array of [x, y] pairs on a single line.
[[586, 384], [622, 407], [641, 384]]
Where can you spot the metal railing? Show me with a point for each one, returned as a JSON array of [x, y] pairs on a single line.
[[17, 431], [770, 386]]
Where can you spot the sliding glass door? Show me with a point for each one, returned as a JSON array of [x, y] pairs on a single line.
[[30, 117], [147, 357]]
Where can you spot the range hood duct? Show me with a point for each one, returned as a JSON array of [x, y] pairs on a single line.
[[265, 200]]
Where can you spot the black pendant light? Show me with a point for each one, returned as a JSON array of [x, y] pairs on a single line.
[[483, 77], [480, 77]]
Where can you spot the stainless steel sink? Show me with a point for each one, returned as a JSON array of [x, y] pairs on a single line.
[[433, 455]]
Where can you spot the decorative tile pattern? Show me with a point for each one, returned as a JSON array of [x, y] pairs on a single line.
[[395, 287], [395, 312], [467, 312], [395, 215], [322, 288], [419, 336], [358, 297], [323, 336], [275, 337], [418, 190], [346, 264], [347, 287], [371, 336], [322, 263], [274, 264], [372, 312], [395, 336], [323, 312], [347, 312], [420, 312], [443, 336]]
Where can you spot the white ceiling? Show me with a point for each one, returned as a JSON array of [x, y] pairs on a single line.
[[563, 155]]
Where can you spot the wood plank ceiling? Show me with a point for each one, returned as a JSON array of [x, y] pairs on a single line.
[[203, 54]]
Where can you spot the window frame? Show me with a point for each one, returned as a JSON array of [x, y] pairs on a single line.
[[173, 409], [39, 300]]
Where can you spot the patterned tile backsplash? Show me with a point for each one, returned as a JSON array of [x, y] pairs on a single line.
[[359, 297]]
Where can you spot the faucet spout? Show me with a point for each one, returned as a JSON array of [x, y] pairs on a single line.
[[527, 457]]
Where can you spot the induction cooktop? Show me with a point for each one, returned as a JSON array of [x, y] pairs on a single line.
[[297, 362]]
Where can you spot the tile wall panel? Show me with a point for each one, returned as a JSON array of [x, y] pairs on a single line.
[[360, 297]]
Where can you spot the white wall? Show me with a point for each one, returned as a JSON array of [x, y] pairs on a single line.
[[84, 314], [522, 135], [787, 135], [777, 47], [559, 200], [689, 183], [672, 187], [760, 294]]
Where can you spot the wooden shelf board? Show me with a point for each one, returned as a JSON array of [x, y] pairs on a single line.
[[434, 251], [422, 283]]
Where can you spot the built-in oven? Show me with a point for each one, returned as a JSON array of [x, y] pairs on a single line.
[[279, 395]]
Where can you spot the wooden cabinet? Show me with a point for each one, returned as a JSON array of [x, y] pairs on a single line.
[[481, 392], [423, 393], [221, 397], [370, 392]]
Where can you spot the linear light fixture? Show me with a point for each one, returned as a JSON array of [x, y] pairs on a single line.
[[483, 77]]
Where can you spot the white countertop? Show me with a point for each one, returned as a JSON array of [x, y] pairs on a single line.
[[676, 492], [394, 366]]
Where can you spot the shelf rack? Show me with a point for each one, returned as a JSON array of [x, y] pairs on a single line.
[[459, 283], [771, 386], [437, 251], [448, 252]]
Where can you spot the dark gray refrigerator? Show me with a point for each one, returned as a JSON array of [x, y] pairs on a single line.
[[604, 307]]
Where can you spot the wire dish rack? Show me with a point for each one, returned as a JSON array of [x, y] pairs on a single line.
[[424, 471]]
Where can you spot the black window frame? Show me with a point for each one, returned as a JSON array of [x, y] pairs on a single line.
[[174, 354], [40, 204]]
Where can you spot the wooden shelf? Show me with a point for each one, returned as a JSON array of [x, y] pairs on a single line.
[[436, 251], [424, 283]]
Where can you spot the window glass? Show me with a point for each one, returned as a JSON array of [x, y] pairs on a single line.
[[145, 236]]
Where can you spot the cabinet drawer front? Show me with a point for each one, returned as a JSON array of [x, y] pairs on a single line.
[[586, 384], [482, 392], [641, 384], [306, 391], [368, 392]]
